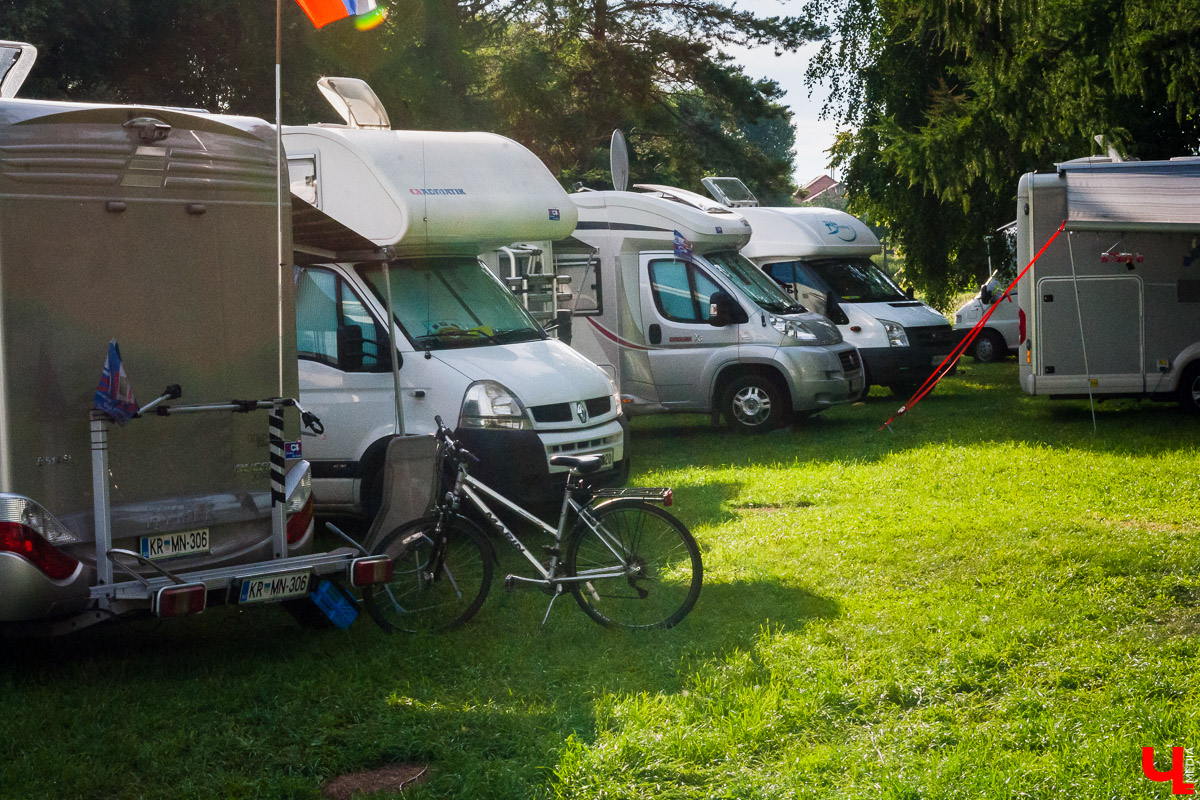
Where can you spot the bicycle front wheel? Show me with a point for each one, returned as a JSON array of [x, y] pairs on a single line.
[[640, 566], [440, 578]]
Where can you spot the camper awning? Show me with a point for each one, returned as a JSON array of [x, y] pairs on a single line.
[[319, 238], [1133, 195]]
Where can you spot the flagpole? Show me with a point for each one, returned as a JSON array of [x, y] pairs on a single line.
[[279, 181]]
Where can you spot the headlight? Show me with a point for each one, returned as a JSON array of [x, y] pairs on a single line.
[[488, 404], [895, 333], [794, 328]]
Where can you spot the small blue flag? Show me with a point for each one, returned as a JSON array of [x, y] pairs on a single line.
[[683, 248], [114, 395]]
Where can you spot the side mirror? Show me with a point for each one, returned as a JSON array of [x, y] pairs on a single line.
[[910, 293], [562, 324], [350, 348], [985, 294], [723, 310]]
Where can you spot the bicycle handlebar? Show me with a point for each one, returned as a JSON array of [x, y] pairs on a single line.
[[452, 445]]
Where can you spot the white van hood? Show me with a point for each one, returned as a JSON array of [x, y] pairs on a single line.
[[909, 313], [539, 372]]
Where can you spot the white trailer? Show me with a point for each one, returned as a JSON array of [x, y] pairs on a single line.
[[1112, 307], [460, 345], [666, 305]]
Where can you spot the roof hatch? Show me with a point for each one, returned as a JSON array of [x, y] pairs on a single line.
[[16, 59], [356, 102]]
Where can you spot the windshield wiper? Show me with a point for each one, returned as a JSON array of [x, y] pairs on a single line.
[[459, 333]]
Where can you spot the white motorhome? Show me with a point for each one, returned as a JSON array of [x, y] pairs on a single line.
[[1001, 335], [157, 228], [1112, 307], [682, 322], [460, 345], [822, 257]]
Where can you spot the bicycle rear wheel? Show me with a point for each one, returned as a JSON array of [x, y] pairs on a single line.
[[642, 564], [440, 579]]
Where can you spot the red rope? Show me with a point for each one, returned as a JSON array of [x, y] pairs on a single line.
[[949, 361]]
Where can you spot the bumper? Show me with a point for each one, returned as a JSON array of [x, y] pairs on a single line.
[[888, 365], [516, 463], [822, 376], [28, 593]]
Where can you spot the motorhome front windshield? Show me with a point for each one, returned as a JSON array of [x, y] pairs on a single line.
[[758, 287], [451, 302], [853, 280]]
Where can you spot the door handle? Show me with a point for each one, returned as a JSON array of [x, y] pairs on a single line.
[[655, 333]]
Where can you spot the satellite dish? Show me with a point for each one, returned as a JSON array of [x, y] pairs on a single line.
[[618, 161]]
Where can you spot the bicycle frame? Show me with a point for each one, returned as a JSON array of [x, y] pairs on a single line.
[[471, 489]]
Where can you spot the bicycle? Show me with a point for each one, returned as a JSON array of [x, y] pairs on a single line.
[[628, 562]]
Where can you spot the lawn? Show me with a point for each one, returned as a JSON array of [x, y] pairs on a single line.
[[992, 600]]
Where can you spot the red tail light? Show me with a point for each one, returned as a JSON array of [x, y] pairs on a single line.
[[25, 542], [175, 601], [370, 570], [1021, 325], [297, 524]]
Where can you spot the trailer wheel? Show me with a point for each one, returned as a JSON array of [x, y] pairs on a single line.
[[1189, 389], [989, 347], [755, 404]]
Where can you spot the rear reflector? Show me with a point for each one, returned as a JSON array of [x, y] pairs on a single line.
[[370, 570], [25, 542], [175, 601], [668, 497]]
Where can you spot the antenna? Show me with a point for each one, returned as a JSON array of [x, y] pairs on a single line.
[[618, 161]]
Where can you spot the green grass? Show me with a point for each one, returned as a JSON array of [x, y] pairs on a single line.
[[992, 600]]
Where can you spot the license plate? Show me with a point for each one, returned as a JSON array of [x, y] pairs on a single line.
[[937, 360], [606, 457], [172, 545], [274, 587]]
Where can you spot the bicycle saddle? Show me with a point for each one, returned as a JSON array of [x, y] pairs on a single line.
[[584, 465]]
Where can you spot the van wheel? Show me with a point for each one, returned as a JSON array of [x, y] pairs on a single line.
[[989, 347], [755, 404], [1189, 389]]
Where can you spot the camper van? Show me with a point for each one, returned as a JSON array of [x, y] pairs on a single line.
[[140, 243], [822, 257], [423, 205], [999, 338], [666, 305], [1112, 307]]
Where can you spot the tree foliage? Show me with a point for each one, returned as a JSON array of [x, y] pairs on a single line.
[[557, 75], [949, 103]]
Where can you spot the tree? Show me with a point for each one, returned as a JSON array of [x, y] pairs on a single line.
[[950, 104]]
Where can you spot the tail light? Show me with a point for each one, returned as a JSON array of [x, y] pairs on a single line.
[[297, 524], [33, 533], [25, 542], [175, 601], [370, 570], [299, 501]]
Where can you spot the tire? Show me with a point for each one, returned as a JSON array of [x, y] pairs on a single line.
[[755, 404], [415, 601], [1189, 389], [989, 347], [665, 559]]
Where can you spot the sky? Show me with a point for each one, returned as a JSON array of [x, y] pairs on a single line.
[[813, 135]]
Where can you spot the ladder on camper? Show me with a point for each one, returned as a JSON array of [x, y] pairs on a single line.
[[169, 593], [540, 290]]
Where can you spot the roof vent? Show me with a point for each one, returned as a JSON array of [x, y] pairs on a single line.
[[16, 59], [730, 192], [356, 102]]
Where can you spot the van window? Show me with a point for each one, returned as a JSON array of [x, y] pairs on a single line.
[[681, 290], [855, 280], [452, 302], [323, 303], [742, 273]]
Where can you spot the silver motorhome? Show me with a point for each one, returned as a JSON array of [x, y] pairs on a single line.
[[699, 329], [156, 228], [1112, 307]]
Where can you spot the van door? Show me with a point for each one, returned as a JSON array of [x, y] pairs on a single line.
[[675, 302], [1110, 327], [345, 377]]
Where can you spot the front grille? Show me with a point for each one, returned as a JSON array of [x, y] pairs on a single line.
[[598, 405], [552, 412], [562, 412], [850, 360], [937, 336], [589, 444]]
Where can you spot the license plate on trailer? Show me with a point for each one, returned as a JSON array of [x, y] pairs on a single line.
[[270, 588], [173, 545]]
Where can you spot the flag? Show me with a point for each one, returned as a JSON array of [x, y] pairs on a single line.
[[322, 12], [683, 248], [114, 395]]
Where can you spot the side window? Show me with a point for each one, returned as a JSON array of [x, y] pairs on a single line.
[[672, 291], [703, 288], [784, 273], [302, 175], [316, 315], [324, 302], [585, 281]]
